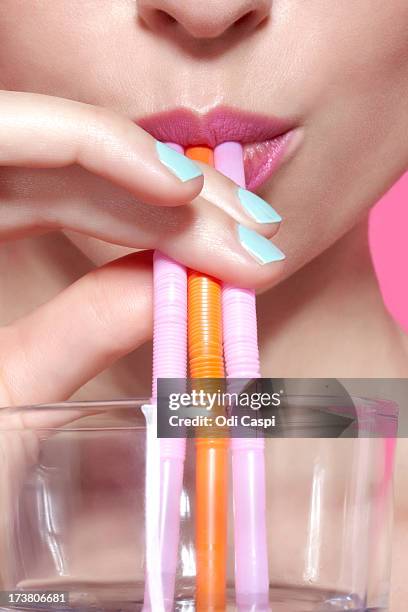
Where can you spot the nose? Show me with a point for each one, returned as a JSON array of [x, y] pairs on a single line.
[[208, 19]]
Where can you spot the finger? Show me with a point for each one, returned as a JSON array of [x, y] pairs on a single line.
[[43, 131], [202, 235], [240, 204], [216, 244], [49, 354]]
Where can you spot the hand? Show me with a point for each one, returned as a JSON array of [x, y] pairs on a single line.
[[67, 165]]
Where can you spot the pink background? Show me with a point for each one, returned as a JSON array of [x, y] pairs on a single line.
[[389, 244]]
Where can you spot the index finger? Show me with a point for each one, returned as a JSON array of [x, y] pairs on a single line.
[[45, 132]]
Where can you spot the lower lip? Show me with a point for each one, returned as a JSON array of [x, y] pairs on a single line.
[[262, 160]]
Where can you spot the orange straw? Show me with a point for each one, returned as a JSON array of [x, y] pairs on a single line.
[[201, 154], [206, 361]]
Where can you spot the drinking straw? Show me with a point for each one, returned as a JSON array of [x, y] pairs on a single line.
[[169, 361], [206, 361], [207, 298], [248, 459]]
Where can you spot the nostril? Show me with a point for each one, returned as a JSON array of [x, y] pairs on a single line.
[[163, 18], [247, 20], [211, 19]]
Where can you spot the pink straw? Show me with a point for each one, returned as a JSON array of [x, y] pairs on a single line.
[[169, 361], [248, 459]]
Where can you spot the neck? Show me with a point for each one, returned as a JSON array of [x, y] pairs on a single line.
[[329, 320]]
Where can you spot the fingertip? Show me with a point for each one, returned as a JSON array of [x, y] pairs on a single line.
[[268, 230], [266, 276], [185, 192], [255, 276], [181, 166]]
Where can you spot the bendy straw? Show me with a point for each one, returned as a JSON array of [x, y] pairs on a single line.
[[169, 361], [211, 306], [206, 362], [248, 460]]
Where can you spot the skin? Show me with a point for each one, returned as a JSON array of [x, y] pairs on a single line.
[[80, 184]]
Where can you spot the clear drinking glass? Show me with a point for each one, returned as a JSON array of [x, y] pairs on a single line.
[[72, 511]]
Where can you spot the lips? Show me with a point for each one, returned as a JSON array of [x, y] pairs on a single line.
[[265, 139]]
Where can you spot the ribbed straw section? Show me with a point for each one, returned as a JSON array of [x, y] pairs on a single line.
[[241, 346], [170, 319], [204, 326], [206, 359], [240, 333]]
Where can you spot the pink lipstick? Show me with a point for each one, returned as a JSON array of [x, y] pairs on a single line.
[[265, 139]]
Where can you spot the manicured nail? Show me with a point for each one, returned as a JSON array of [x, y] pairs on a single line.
[[259, 247], [257, 208], [178, 164]]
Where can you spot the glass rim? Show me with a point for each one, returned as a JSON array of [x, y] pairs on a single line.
[[375, 416], [384, 407]]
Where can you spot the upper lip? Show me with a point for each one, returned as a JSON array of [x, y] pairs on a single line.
[[222, 124]]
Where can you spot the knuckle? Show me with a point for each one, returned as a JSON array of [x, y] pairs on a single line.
[[104, 125]]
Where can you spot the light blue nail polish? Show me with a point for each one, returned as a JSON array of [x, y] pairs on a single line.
[[178, 164], [257, 208], [259, 247]]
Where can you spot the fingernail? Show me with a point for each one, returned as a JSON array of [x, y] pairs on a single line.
[[178, 164], [259, 247], [257, 208]]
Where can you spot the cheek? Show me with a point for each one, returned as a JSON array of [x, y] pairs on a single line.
[[332, 47], [39, 44], [62, 48], [349, 77]]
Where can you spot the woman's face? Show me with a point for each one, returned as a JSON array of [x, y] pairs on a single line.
[[335, 72]]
